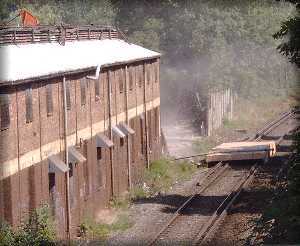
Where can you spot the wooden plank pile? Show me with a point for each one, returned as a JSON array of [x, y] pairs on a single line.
[[235, 151]]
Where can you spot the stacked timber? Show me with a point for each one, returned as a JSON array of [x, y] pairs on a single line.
[[235, 151]]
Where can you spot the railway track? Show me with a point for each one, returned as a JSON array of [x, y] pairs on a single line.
[[197, 218]]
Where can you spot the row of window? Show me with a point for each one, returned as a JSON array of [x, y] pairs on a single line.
[[137, 72]]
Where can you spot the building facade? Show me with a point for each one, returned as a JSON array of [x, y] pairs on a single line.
[[91, 101]]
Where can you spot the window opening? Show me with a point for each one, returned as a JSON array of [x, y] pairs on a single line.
[[148, 73], [133, 139], [140, 76], [99, 153], [131, 78], [142, 135], [72, 185], [68, 95], [121, 142], [156, 72], [99, 167], [51, 177], [4, 112], [83, 92], [49, 101], [97, 90], [121, 80], [28, 102]]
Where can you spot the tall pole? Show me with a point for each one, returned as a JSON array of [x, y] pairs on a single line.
[[129, 139], [146, 117], [67, 161], [110, 131]]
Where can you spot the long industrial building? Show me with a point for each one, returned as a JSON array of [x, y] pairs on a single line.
[[79, 120]]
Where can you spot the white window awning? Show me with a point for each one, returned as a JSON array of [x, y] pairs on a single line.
[[75, 156], [118, 132], [126, 129], [57, 165], [103, 141]]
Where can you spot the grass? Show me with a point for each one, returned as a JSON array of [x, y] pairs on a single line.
[[163, 173], [90, 229]]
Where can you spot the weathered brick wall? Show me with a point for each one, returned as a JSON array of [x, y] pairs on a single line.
[[33, 142]]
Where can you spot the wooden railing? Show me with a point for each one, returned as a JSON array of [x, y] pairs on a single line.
[[60, 34]]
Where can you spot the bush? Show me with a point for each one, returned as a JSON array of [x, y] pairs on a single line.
[[36, 230]]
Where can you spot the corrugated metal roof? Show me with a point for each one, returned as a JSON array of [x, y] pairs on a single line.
[[20, 62]]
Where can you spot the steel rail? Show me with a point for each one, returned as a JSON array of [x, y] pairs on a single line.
[[218, 170], [223, 208], [219, 214]]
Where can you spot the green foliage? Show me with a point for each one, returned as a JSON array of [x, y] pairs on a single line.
[[90, 229], [37, 230], [93, 230], [163, 173], [120, 203], [7, 236]]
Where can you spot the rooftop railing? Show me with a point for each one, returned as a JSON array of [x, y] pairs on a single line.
[[60, 34]]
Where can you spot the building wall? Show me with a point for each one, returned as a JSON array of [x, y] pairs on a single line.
[[25, 147]]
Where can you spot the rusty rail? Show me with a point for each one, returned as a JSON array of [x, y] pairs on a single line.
[[222, 209]]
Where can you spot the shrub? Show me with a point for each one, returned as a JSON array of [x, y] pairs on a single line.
[[36, 230]]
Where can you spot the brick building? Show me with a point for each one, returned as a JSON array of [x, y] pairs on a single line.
[[80, 89]]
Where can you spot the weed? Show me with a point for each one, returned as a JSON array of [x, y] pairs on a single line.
[[163, 173], [90, 229], [120, 203]]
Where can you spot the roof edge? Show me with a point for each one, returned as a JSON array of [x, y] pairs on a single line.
[[73, 72]]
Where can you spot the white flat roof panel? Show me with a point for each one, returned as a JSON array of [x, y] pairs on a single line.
[[42, 59]]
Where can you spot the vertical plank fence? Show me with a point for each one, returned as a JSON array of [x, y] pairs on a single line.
[[219, 107]]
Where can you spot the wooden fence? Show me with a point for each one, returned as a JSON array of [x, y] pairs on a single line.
[[219, 107]]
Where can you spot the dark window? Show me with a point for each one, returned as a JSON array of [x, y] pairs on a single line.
[[49, 101], [131, 78], [121, 142], [71, 184], [51, 177], [68, 95], [28, 102], [99, 153], [4, 112], [83, 92], [97, 90], [51, 182], [71, 170], [99, 167], [121, 79]]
